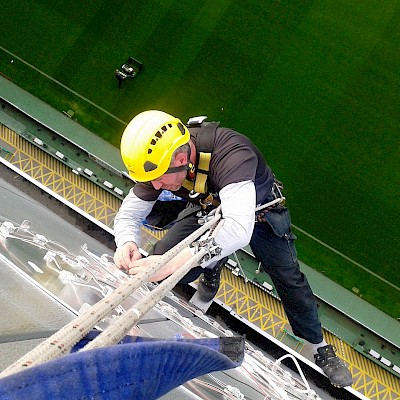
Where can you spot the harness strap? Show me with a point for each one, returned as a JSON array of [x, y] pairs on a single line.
[[189, 185], [205, 147], [200, 183]]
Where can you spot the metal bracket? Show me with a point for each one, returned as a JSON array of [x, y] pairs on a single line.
[[209, 245]]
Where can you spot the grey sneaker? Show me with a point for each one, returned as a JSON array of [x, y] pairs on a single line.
[[209, 281], [334, 368]]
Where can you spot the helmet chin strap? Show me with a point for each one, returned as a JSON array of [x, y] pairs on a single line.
[[172, 170]]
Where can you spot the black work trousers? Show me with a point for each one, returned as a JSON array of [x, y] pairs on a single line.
[[272, 243]]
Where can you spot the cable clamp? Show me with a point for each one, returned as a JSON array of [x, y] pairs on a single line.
[[208, 244]]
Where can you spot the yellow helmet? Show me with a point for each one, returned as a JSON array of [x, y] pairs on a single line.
[[148, 143]]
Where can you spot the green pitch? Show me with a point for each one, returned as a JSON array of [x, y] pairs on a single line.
[[315, 84]]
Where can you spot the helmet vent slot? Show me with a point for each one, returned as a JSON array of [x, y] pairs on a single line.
[[181, 128], [149, 166]]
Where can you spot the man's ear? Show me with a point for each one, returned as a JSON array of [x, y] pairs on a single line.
[[182, 158]]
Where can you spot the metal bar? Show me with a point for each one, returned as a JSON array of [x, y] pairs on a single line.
[[270, 204]]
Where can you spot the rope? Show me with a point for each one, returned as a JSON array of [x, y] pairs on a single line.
[[63, 340]]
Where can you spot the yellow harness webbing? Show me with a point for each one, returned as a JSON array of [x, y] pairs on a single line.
[[205, 146], [200, 183]]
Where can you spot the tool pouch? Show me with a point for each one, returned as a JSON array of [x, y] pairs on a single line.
[[279, 220]]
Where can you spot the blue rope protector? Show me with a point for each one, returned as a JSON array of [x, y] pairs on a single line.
[[138, 368]]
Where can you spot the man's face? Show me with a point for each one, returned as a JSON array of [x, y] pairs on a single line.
[[174, 181]]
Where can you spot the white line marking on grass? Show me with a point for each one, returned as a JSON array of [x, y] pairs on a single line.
[[64, 86], [347, 258]]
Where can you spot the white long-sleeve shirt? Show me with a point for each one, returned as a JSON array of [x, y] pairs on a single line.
[[238, 202]]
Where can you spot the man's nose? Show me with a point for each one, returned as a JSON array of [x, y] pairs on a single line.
[[156, 184]]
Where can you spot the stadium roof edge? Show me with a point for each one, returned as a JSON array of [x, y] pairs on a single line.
[[60, 123]]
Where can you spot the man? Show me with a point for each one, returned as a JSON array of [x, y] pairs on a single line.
[[163, 154]]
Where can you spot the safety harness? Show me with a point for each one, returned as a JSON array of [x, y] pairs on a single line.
[[200, 192], [199, 188]]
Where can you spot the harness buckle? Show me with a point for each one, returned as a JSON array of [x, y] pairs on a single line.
[[208, 201]]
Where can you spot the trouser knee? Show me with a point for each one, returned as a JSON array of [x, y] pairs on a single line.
[[161, 247]]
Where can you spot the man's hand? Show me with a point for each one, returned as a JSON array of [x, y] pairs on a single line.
[[163, 272], [126, 254], [144, 263]]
